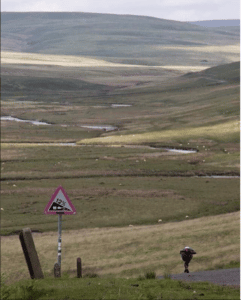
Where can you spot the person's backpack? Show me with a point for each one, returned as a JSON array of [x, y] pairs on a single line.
[[188, 250]]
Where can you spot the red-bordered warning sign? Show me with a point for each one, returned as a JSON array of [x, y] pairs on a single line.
[[60, 204]]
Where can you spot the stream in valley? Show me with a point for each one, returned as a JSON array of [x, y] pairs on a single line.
[[39, 123], [107, 128], [9, 118]]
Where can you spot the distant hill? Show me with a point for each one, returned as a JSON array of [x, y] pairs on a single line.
[[217, 23], [228, 73], [117, 38]]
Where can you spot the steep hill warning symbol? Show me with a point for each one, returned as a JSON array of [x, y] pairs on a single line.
[[60, 203]]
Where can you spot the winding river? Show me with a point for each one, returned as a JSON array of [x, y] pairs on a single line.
[[96, 127], [108, 128], [9, 118], [38, 123]]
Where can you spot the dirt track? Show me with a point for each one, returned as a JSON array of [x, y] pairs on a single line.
[[222, 277]]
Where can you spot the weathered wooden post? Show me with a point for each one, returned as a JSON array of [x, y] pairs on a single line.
[[30, 254], [79, 268]]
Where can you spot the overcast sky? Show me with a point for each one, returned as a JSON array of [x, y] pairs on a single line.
[[179, 10]]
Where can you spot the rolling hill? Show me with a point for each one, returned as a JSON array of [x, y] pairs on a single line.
[[219, 23], [119, 38], [88, 62]]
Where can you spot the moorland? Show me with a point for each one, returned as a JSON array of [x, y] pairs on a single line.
[[161, 85]]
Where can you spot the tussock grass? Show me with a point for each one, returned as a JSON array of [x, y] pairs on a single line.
[[150, 275], [133, 250]]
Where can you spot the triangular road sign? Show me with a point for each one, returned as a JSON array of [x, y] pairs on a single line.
[[60, 204]]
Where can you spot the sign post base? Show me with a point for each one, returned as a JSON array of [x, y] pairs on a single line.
[[57, 270]]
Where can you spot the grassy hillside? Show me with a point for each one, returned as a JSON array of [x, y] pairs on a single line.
[[61, 96], [132, 250], [119, 38], [219, 23]]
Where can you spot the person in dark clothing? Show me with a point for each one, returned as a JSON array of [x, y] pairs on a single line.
[[187, 254]]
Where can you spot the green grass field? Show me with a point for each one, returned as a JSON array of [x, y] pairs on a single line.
[[116, 201]]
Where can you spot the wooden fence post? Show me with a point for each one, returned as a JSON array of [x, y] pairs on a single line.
[[79, 268]]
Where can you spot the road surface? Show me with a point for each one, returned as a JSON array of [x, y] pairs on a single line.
[[222, 276]]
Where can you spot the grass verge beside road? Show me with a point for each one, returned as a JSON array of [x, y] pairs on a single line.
[[109, 288]]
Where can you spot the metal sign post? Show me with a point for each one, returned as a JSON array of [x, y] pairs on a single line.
[[59, 238], [59, 204]]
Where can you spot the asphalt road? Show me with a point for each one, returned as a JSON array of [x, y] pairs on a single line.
[[222, 276]]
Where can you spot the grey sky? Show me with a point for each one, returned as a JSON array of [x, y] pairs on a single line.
[[180, 10]]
